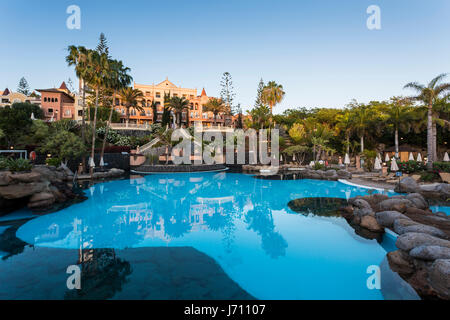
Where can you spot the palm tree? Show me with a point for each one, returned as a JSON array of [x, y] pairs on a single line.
[[178, 105], [131, 99], [260, 117], [77, 57], [165, 139], [215, 106], [272, 94], [344, 124], [119, 78], [399, 115], [363, 116], [98, 71], [429, 95]]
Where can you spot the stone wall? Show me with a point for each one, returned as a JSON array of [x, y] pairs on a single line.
[[112, 160]]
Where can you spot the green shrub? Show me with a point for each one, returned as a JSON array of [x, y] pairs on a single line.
[[318, 166], [18, 165], [152, 159], [55, 162], [411, 166], [369, 159], [3, 163], [429, 176], [442, 166]]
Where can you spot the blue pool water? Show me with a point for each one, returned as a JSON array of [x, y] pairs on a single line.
[[446, 210], [243, 223]]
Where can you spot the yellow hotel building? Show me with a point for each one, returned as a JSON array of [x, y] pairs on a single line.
[[157, 93]]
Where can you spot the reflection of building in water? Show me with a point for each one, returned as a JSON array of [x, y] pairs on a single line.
[[196, 216], [206, 206], [142, 216]]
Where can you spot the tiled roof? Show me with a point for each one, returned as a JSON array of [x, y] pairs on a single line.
[[54, 90]]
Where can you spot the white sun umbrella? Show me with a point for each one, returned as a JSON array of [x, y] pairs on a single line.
[[446, 157], [347, 159], [419, 158], [293, 158], [32, 116], [387, 159], [394, 166], [102, 163], [91, 162], [411, 157], [377, 165]]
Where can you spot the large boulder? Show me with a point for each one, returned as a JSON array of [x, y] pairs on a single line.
[[418, 200], [416, 211], [22, 190], [26, 177], [344, 174], [362, 208], [371, 224], [430, 253], [5, 178], [440, 278], [41, 200], [413, 240], [400, 262], [407, 185], [387, 218], [395, 204], [402, 226]]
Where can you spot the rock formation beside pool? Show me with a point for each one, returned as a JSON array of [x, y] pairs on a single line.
[[435, 191], [423, 255], [39, 188]]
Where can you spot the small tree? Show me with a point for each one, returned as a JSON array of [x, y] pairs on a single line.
[[23, 87], [227, 93], [259, 94], [64, 145]]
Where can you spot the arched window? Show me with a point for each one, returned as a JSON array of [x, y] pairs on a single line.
[[45, 99], [56, 99], [53, 99]]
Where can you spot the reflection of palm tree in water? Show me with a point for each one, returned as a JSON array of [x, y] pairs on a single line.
[[102, 274], [261, 221]]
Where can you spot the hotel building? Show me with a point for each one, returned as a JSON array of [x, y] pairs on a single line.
[[157, 93], [8, 98], [58, 103]]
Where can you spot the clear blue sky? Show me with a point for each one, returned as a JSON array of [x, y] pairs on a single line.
[[320, 50]]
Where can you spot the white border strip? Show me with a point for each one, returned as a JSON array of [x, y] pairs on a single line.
[[164, 172], [361, 186]]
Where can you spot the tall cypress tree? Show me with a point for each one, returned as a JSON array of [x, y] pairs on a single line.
[[102, 46], [259, 102], [23, 87], [227, 93]]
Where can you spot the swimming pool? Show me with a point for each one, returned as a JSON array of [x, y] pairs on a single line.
[[243, 224]]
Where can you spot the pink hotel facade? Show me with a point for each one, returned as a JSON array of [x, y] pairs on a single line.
[[60, 103]]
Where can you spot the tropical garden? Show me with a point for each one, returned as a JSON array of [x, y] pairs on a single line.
[[419, 118]]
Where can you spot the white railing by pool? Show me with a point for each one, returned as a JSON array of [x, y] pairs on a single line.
[[130, 126]]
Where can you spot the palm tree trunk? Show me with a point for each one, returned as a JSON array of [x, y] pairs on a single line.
[[107, 129], [430, 137], [348, 144], [435, 157], [396, 144], [94, 125], [83, 123], [215, 119], [362, 143]]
